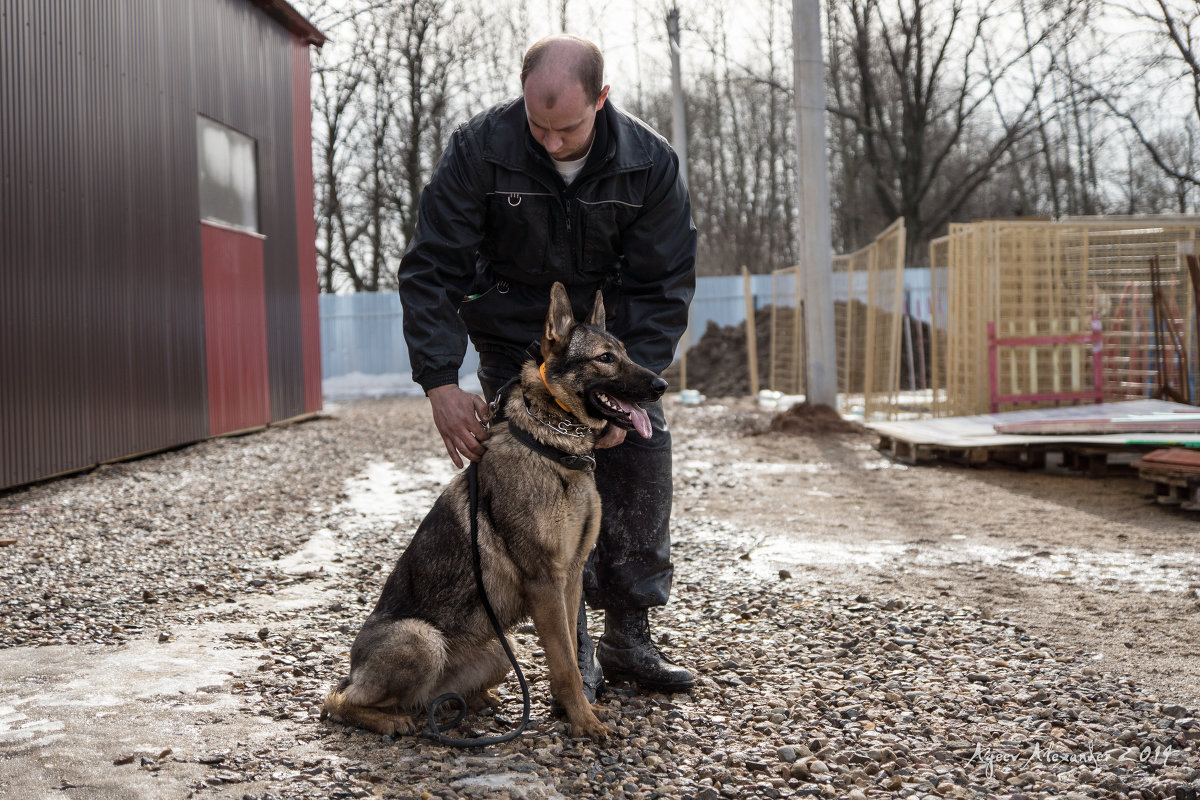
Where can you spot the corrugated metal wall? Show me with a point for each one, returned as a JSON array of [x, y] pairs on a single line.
[[306, 225], [101, 302], [102, 352]]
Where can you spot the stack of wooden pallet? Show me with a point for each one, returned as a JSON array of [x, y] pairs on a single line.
[[1085, 435], [1175, 473]]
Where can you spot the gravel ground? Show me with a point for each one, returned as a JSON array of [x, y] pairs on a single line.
[[170, 625]]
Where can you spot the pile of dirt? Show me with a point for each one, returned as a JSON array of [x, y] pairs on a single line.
[[803, 419], [719, 364]]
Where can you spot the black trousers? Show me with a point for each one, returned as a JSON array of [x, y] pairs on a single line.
[[631, 565]]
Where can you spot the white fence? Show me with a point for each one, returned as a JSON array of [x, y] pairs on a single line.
[[362, 338], [362, 347]]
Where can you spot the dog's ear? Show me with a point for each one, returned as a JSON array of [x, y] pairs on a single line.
[[560, 320], [597, 317]]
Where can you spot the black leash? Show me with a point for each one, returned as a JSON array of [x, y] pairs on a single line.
[[435, 729]]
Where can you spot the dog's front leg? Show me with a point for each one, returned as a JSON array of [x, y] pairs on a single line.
[[556, 629]]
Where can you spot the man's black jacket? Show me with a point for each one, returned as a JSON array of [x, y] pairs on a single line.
[[497, 226]]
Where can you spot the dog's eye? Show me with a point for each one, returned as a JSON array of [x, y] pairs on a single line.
[[606, 358]]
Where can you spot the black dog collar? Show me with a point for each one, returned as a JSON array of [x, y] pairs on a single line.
[[582, 463]]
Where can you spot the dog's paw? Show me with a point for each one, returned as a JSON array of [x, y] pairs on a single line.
[[384, 723], [589, 727], [482, 700], [402, 725], [387, 724]]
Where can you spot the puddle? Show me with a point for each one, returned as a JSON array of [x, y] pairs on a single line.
[[383, 496], [873, 465], [824, 553], [55, 700], [1147, 572], [785, 548], [776, 468], [16, 728], [694, 466], [51, 691]]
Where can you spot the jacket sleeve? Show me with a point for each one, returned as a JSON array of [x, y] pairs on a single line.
[[659, 277], [438, 267]]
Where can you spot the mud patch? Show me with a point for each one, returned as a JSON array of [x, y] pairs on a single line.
[[804, 419]]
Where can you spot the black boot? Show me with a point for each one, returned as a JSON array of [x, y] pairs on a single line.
[[589, 667], [627, 654]]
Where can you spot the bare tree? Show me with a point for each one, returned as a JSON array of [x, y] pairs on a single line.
[[386, 92], [428, 50], [338, 75], [1063, 167], [1159, 101], [917, 83], [740, 156]]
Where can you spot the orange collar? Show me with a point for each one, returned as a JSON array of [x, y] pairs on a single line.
[[542, 372]]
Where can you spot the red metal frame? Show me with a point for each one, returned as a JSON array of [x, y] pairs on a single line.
[[1095, 339]]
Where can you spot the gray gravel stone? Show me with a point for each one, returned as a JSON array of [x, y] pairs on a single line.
[[802, 691]]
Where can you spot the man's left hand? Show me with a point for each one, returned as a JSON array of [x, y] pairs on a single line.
[[612, 437]]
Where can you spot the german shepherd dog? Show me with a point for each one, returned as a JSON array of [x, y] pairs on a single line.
[[538, 518]]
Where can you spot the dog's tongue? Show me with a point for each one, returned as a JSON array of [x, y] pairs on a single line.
[[638, 415]]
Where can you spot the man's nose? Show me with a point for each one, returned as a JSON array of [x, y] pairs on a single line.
[[552, 143]]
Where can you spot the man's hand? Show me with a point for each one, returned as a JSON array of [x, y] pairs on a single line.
[[459, 417], [612, 437]]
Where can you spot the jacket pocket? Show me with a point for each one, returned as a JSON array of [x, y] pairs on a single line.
[[518, 233], [603, 223]]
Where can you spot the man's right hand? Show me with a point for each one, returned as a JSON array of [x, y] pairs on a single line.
[[459, 417]]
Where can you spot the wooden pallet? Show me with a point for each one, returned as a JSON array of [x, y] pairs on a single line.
[[1090, 460], [978, 439], [1175, 474]]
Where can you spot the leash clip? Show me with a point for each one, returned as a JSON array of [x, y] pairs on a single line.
[[493, 410]]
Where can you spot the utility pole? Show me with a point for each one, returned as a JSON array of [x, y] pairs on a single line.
[[812, 160], [678, 126]]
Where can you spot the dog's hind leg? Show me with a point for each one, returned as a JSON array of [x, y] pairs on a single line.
[[393, 664], [474, 673]]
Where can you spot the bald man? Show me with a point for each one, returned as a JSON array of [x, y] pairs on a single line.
[[561, 185]]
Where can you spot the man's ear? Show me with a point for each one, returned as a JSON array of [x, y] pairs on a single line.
[[560, 321], [597, 318]]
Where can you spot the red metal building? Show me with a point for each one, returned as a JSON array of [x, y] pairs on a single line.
[[158, 278]]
